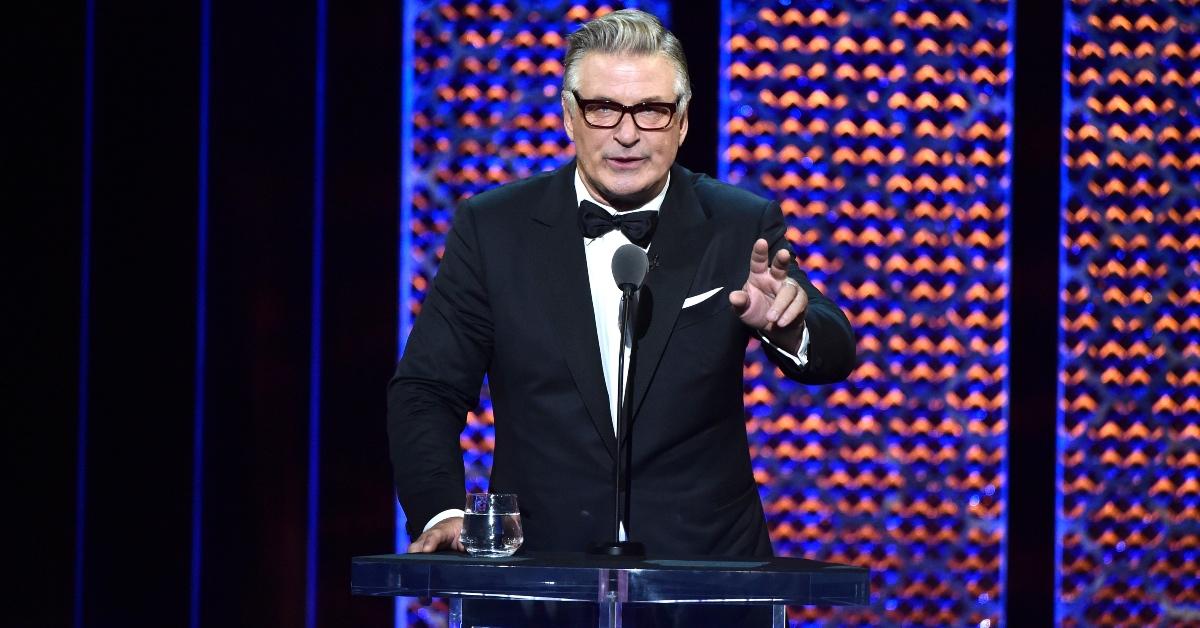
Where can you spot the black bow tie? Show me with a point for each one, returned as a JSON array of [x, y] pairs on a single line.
[[637, 226]]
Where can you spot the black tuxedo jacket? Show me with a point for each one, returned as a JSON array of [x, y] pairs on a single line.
[[512, 300]]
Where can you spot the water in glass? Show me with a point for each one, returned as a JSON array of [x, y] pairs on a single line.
[[492, 534], [491, 525]]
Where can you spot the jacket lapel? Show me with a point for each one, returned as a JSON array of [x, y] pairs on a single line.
[[568, 297], [682, 235]]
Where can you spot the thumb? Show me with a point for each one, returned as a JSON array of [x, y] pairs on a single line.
[[740, 300]]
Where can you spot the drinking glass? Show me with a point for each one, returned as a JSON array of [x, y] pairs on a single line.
[[491, 525]]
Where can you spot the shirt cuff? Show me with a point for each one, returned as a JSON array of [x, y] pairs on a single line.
[[442, 516], [800, 357]]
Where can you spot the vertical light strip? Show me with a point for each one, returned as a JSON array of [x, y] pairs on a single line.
[[314, 364], [201, 313], [406, 160], [85, 303], [723, 92], [1064, 195], [408, 15], [1006, 412]]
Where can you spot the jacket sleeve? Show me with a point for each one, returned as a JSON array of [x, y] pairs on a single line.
[[831, 344], [438, 380]]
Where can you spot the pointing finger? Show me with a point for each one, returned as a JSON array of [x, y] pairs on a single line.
[[759, 256]]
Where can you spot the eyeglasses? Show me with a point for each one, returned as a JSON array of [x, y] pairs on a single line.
[[606, 114]]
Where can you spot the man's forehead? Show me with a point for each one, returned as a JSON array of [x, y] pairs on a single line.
[[604, 73], [652, 62]]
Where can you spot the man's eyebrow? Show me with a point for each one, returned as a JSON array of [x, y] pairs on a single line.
[[644, 100]]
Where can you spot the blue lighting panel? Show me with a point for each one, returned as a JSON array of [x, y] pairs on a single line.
[[883, 128], [1128, 539], [480, 108]]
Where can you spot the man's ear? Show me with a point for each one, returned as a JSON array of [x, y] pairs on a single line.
[[568, 119], [683, 126]]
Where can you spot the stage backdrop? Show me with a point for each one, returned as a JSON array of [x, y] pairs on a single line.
[[883, 129], [203, 330]]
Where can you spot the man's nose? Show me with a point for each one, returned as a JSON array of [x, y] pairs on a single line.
[[626, 132]]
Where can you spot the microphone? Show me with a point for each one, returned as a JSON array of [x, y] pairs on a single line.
[[629, 266]]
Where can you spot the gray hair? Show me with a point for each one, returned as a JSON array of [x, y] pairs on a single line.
[[626, 32]]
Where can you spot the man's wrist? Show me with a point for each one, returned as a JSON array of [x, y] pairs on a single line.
[[789, 340], [798, 355]]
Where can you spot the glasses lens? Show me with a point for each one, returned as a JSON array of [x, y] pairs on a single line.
[[601, 114], [652, 116]]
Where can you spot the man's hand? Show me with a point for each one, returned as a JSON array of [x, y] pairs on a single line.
[[770, 301], [442, 536]]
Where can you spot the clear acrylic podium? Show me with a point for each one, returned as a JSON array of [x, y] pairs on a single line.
[[610, 584]]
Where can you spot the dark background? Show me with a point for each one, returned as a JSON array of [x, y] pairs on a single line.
[[110, 222]]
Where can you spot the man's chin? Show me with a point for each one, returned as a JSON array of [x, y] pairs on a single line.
[[625, 202], [630, 196]]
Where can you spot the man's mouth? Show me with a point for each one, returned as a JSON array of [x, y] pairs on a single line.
[[624, 163]]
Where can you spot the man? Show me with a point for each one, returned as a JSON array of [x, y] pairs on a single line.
[[525, 294]]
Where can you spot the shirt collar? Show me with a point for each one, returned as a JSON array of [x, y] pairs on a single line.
[[582, 194]]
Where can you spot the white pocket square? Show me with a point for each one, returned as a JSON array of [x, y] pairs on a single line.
[[690, 301]]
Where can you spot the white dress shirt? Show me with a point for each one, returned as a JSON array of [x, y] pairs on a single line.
[[606, 296]]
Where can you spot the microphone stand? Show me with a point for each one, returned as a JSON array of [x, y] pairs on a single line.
[[617, 547]]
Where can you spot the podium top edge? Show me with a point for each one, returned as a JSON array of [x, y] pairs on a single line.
[[582, 560]]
